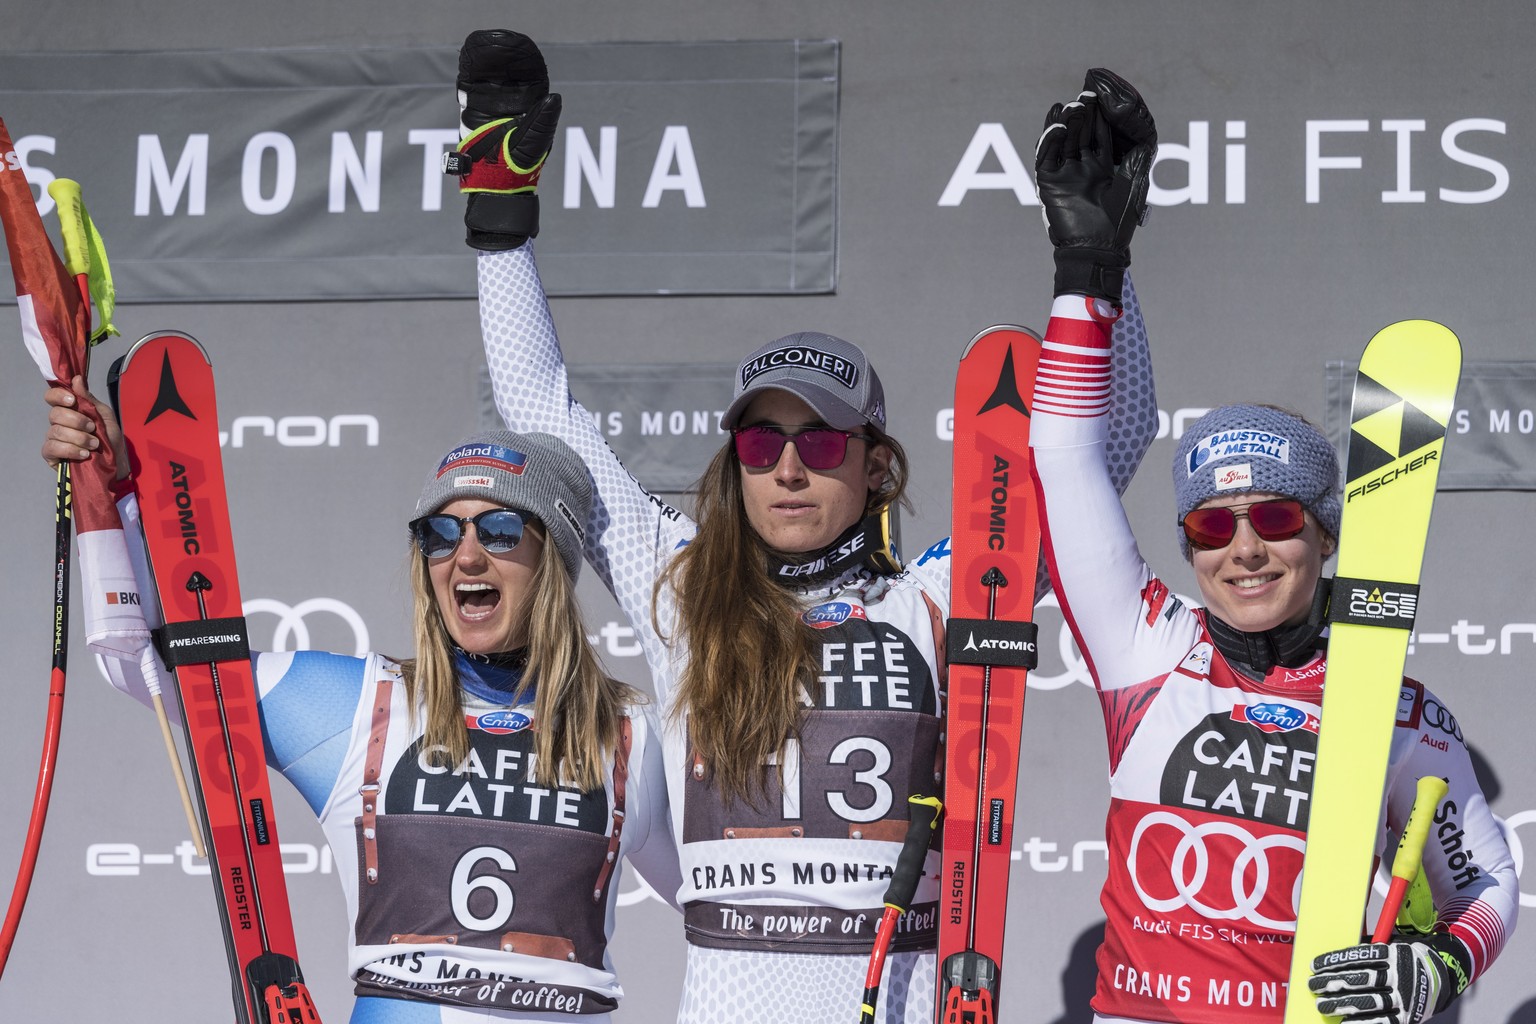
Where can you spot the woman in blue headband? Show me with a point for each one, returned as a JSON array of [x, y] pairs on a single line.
[[1212, 713]]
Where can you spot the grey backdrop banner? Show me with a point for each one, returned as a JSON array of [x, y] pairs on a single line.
[[234, 175], [662, 420], [1325, 169], [1491, 443]]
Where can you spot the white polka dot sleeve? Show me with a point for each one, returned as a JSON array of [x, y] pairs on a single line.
[[631, 534]]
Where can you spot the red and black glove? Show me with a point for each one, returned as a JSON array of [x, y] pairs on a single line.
[[508, 118]]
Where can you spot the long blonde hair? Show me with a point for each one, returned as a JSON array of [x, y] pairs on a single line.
[[576, 704], [749, 653]]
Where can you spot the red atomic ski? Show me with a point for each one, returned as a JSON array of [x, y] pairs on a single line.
[[164, 393], [995, 555]]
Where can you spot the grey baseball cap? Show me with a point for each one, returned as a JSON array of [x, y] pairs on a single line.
[[831, 375], [535, 473]]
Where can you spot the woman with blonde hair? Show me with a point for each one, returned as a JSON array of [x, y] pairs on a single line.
[[477, 798]]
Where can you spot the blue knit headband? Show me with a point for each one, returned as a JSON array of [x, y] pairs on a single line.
[[1239, 449]]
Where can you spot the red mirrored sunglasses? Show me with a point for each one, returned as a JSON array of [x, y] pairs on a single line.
[[1273, 519], [759, 446]]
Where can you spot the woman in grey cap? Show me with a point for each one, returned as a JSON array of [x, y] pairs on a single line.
[[1212, 713], [797, 663], [477, 799]]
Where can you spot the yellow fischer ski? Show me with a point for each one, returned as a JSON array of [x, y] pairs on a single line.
[[1403, 399]]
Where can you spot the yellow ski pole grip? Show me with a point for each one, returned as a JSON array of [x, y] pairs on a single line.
[[77, 246], [85, 255], [1410, 851]]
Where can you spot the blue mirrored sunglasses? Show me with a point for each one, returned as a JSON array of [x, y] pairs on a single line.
[[497, 529]]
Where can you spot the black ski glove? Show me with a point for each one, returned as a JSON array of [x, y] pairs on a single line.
[[1405, 981], [1093, 165], [508, 118]]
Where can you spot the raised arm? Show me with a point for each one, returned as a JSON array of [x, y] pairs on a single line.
[[508, 120], [1092, 164]]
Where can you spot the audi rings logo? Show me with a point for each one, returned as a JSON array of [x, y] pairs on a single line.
[[1434, 714], [1510, 827], [1190, 862], [293, 623]]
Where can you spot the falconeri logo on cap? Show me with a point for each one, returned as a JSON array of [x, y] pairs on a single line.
[[805, 358], [491, 456], [1239, 442]]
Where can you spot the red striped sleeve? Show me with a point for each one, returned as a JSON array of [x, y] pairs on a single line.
[[1074, 375], [1479, 926]]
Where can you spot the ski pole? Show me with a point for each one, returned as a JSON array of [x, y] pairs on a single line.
[[86, 258], [64, 353], [898, 894], [1410, 851]]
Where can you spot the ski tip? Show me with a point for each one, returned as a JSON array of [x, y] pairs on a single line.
[[153, 336], [1011, 330], [1430, 334]]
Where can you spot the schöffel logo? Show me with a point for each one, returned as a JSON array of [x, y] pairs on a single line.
[[1239, 442], [1274, 717], [805, 358], [833, 613], [499, 722], [491, 456]]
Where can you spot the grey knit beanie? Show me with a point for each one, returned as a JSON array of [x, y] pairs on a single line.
[[535, 473], [1247, 448]]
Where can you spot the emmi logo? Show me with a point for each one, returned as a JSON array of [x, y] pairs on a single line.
[[304, 431]]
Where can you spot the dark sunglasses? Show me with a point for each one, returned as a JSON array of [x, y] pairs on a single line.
[[1275, 519], [497, 529], [818, 447]]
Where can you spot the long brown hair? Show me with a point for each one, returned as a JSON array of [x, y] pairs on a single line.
[[748, 653], [576, 704]]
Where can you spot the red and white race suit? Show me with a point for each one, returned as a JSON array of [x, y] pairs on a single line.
[[1210, 761]]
